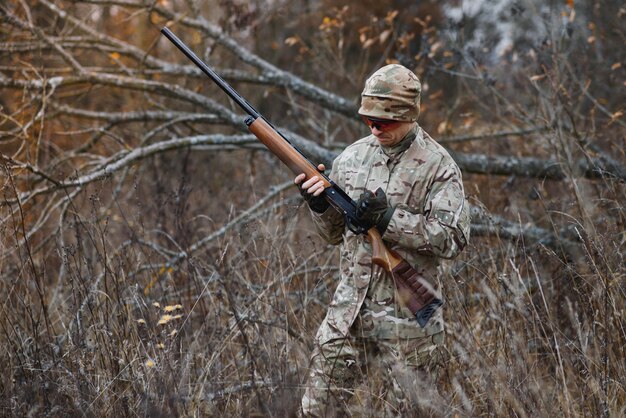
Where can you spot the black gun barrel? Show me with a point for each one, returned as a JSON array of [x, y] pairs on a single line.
[[336, 196], [212, 74]]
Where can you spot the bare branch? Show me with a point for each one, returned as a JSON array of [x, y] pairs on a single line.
[[537, 168], [494, 135], [486, 224], [271, 74]]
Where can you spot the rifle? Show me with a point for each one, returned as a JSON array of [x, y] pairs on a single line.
[[415, 292]]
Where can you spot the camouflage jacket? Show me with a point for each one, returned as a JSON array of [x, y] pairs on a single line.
[[431, 221]]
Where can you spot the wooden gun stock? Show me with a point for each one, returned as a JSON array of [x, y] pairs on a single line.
[[381, 255], [414, 290], [285, 152]]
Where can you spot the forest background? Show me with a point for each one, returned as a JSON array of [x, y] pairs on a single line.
[[157, 260]]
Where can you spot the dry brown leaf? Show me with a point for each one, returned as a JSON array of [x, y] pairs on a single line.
[[391, 16], [368, 43], [384, 36], [292, 40]]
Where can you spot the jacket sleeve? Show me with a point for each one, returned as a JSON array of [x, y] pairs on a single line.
[[443, 228], [330, 224]]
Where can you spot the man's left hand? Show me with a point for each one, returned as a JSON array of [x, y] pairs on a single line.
[[373, 208]]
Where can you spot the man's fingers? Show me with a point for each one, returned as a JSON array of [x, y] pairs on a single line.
[[314, 185], [314, 189], [299, 178], [319, 189], [310, 182]]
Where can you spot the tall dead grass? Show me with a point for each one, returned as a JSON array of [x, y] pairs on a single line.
[[95, 321]]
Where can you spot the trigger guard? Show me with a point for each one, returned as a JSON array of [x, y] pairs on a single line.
[[356, 229]]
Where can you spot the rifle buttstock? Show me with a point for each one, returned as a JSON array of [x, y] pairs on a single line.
[[381, 255]]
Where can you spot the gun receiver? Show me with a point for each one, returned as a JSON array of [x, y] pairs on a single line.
[[416, 293]]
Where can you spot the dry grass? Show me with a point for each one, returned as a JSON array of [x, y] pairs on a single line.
[[96, 324]]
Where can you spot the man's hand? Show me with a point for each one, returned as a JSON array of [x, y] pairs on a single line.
[[374, 209], [312, 189]]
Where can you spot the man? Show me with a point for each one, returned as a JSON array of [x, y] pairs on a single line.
[[421, 213]]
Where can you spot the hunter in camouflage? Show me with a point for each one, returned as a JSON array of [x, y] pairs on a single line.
[[366, 326]]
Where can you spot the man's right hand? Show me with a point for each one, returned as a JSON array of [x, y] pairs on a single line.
[[312, 189]]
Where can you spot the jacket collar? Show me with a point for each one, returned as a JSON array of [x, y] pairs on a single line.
[[404, 144]]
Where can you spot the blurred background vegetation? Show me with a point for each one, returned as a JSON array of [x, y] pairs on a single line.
[[156, 260]]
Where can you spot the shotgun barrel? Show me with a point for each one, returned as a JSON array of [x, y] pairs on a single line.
[[209, 72]]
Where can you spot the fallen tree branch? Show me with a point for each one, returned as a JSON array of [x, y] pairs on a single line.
[[271, 73], [472, 163], [531, 167], [492, 135], [486, 224]]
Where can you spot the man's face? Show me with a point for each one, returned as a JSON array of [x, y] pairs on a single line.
[[388, 132]]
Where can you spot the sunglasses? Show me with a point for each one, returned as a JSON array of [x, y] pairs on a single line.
[[380, 124]]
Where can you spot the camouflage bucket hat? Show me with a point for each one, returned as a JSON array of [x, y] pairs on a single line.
[[392, 92]]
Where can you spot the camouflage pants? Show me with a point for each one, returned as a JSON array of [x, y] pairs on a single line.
[[366, 377]]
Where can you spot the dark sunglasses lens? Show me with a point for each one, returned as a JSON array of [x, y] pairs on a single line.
[[380, 124]]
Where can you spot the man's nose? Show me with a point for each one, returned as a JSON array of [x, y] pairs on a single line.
[[375, 130]]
